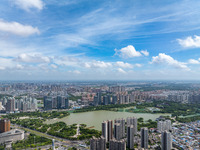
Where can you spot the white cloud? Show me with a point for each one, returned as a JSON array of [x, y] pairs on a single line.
[[28, 4], [97, 64], [128, 52], [6, 63], [19, 66], [138, 65], [190, 42], [54, 66], [145, 52], [162, 58], [32, 58], [193, 61], [120, 70], [17, 28], [123, 65]]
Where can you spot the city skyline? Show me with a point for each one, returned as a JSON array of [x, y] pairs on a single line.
[[101, 40]]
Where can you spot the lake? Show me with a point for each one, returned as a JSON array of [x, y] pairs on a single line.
[[95, 118]]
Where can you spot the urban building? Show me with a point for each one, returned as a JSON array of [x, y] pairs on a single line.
[[10, 105], [144, 138], [117, 144], [11, 136], [114, 99], [166, 140], [130, 137], [122, 126], [98, 143], [105, 100], [4, 125], [59, 102], [107, 130], [164, 125], [117, 131], [48, 103], [132, 121], [96, 100], [66, 103]]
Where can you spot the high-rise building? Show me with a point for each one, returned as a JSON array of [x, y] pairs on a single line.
[[4, 125], [144, 138], [99, 98], [164, 125], [110, 130], [98, 143], [66, 103], [59, 102], [114, 99], [54, 102], [47, 102], [109, 99], [117, 131], [117, 144], [10, 105], [105, 100], [95, 101], [107, 130], [166, 140], [168, 125], [130, 137], [132, 121], [122, 124]]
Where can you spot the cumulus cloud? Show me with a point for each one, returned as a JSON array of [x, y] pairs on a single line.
[[145, 52], [130, 52], [17, 28], [28, 4], [190, 42], [120, 70], [32, 58], [162, 58], [67, 61], [123, 65], [193, 61]]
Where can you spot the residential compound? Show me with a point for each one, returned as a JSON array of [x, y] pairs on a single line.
[[125, 136], [22, 104]]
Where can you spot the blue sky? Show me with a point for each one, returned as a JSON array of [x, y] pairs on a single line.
[[100, 39]]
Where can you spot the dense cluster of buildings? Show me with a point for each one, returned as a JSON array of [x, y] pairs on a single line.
[[22, 104], [123, 134], [187, 135], [58, 102]]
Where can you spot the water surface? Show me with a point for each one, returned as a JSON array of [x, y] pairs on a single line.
[[95, 118]]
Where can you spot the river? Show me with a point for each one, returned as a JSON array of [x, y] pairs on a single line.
[[95, 118]]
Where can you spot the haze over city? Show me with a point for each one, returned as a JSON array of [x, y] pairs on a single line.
[[101, 40]]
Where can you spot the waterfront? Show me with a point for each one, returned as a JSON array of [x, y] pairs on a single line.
[[95, 118]]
